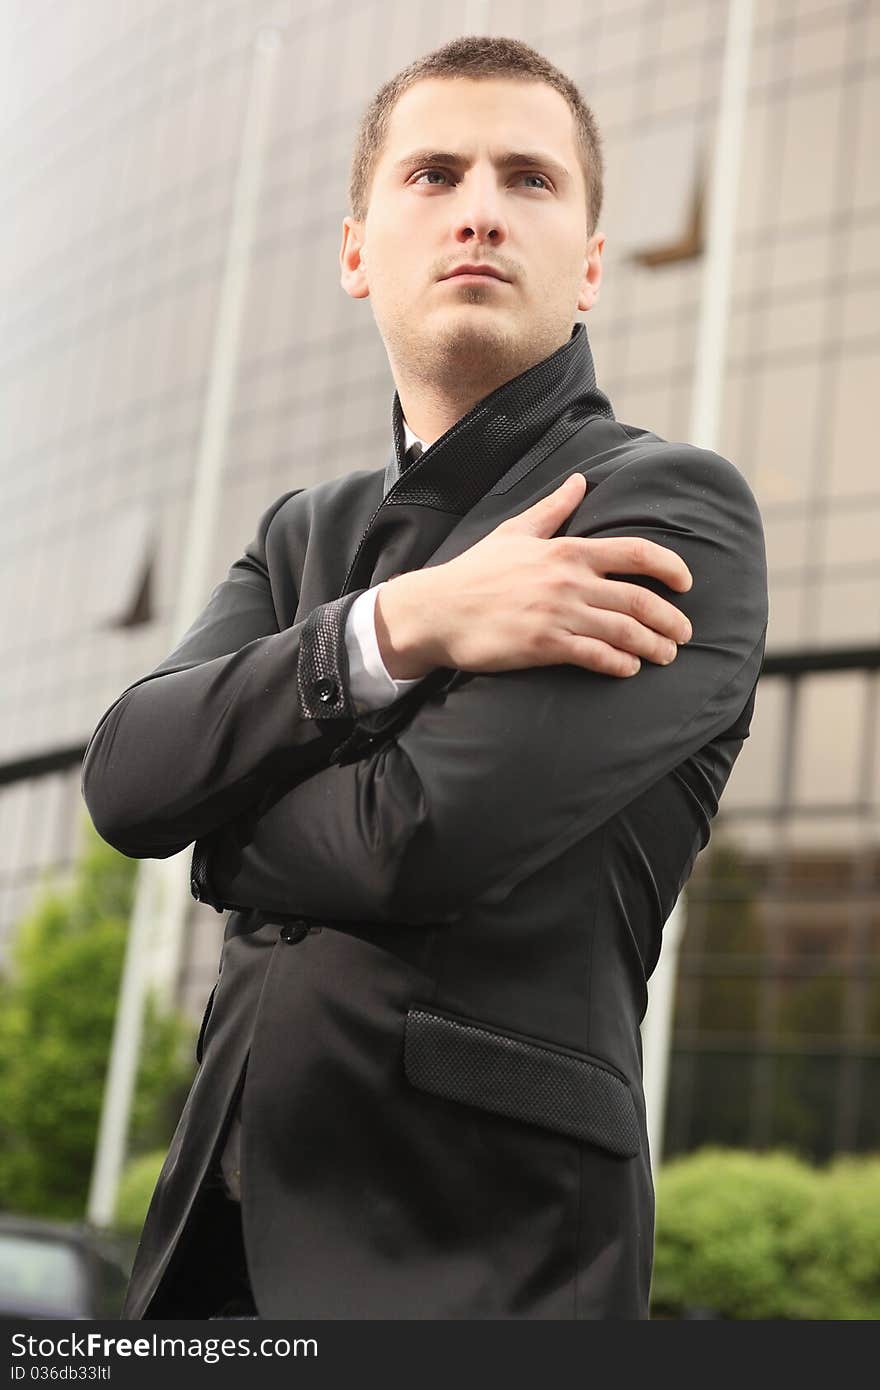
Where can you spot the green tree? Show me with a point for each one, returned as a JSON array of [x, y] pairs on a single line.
[[57, 1006], [136, 1190]]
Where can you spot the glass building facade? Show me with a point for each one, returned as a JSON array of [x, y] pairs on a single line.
[[121, 136]]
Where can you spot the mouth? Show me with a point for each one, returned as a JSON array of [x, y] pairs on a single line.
[[473, 272]]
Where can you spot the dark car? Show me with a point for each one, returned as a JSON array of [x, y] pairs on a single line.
[[55, 1270]]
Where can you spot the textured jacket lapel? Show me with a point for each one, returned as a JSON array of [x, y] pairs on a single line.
[[512, 428]]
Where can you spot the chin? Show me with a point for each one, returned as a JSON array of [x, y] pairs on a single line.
[[467, 321]]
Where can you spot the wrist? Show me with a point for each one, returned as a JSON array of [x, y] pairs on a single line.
[[402, 617]]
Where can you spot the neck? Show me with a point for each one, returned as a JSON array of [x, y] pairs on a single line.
[[430, 414]]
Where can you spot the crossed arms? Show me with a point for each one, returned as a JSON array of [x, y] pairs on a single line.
[[485, 783]]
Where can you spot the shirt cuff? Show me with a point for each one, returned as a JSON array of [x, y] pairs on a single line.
[[370, 686]]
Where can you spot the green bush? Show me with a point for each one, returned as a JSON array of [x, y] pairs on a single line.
[[760, 1236], [836, 1249], [135, 1190], [57, 1008]]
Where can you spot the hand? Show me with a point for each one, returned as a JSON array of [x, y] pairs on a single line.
[[524, 597]]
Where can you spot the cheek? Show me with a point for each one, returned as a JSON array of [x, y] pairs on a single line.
[[394, 280], [391, 260], [563, 272]]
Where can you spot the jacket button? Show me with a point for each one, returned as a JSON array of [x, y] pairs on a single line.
[[326, 690], [292, 932], [194, 887]]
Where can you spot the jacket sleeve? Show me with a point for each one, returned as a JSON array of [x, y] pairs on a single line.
[[498, 774], [237, 704]]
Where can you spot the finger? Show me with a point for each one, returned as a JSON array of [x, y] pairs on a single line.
[[635, 555], [595, 655], [545, 517], [648, 609], [625, 634]]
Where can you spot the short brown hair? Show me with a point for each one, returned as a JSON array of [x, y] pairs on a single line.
[[475, 56]]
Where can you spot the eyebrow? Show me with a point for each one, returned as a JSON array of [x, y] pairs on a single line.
[[510, 159]]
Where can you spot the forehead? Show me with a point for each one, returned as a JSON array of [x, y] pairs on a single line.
[[462, 113]]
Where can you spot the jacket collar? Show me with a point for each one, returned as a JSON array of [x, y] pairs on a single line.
[[498, 430], [509, 430]]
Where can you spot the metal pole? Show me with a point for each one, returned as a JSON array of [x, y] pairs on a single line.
[[162, 896], [711, 350]]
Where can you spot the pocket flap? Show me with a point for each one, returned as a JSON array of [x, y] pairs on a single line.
[[538, 1082]]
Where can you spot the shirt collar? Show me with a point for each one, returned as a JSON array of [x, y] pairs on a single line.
[[410, 439], [394, 468]]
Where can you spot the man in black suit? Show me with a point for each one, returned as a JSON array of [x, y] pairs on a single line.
[[447, 767]]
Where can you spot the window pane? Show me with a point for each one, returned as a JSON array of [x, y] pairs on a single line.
[[828, 754], [661, 185], [754, 780], [804, 1109]]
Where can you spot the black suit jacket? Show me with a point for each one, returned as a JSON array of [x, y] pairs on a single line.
[[443, 915]]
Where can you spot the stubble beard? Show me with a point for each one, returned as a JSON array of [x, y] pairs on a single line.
[[464, 356]]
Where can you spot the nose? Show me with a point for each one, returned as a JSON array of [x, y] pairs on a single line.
[[478, 208]]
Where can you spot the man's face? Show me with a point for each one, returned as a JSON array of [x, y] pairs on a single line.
[[429, 213]]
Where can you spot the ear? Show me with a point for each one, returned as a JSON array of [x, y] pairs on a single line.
[[351, 260], [592, 277]]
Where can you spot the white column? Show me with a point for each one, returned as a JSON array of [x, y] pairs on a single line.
[[162, 897], [710, 362]]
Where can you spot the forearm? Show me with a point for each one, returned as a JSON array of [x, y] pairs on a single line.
[[187, 749], [441, 818]]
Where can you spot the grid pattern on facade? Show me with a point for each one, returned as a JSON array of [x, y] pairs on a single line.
[[120, 131], [777, 1029]]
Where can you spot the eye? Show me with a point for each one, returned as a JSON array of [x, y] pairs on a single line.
[[536, 176], [423, 174], [429, 171]]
